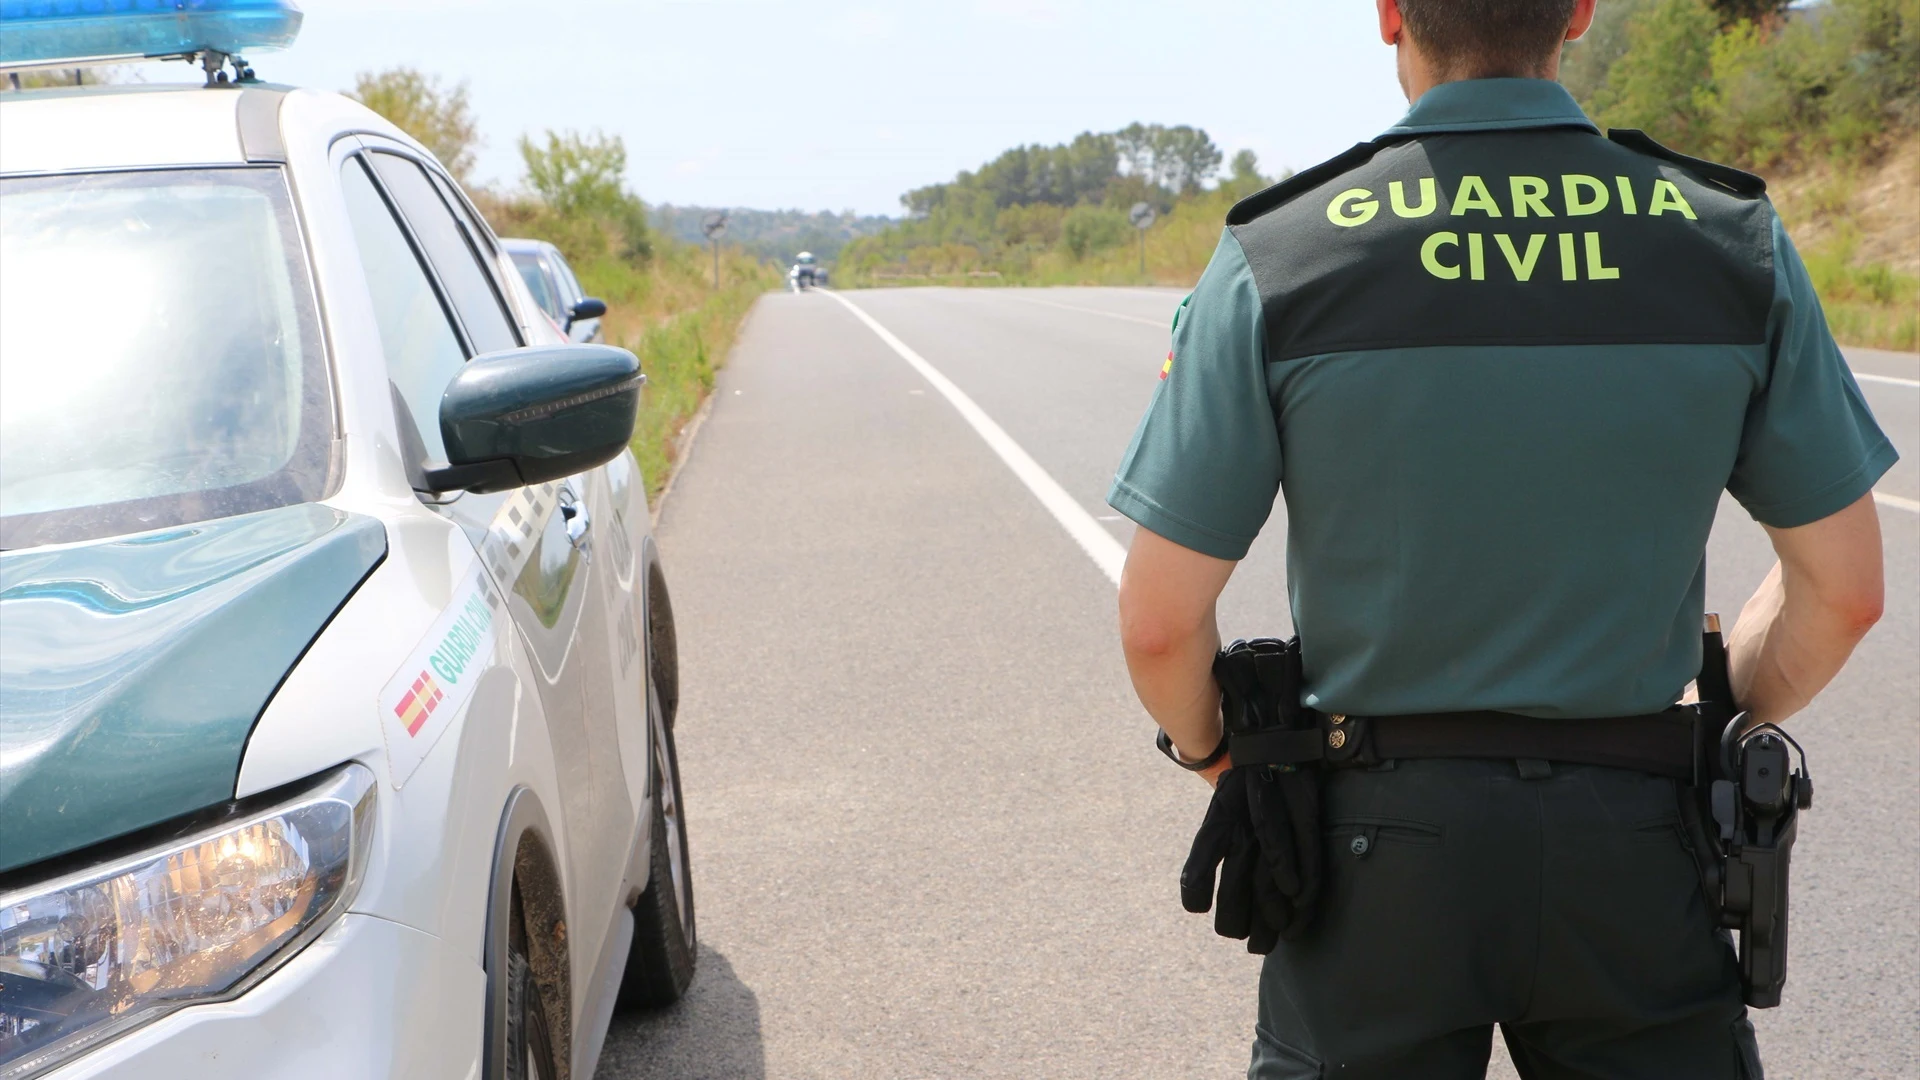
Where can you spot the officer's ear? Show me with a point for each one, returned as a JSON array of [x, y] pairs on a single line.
[[1582, 19], [1390, 23]]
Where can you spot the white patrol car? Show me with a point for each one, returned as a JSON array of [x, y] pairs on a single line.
[[337, 673]]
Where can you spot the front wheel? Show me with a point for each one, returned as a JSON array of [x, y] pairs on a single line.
[[529, 1043], [665, 945]]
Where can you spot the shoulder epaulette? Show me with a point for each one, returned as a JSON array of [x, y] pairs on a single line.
[[1262, 201], [1725, 176]]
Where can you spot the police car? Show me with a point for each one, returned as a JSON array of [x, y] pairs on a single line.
[[337, 671]]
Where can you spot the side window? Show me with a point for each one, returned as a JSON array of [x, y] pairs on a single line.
[[468, 284], [568, 283], [423, 354], [538, 284]]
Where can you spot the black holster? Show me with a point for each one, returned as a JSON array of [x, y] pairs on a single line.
[[1742, 815], [1262, 829]]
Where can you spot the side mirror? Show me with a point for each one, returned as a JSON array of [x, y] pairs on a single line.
[[585, 308], [530, 415]]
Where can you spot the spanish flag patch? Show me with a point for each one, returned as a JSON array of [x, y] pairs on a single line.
[[1167, 367]]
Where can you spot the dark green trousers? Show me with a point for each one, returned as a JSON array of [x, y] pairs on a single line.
[[1463, 894]]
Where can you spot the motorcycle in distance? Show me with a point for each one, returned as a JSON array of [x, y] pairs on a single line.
[[806, 273]]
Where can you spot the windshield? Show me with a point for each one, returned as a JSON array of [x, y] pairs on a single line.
[[160, 360], [535, 276]]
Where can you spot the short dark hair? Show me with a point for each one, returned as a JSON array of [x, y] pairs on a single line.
[[1488, 38]]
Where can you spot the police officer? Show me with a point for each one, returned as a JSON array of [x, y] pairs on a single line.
[[1501, 365]]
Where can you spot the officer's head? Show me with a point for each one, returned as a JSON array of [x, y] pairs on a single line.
[[1446, 40]]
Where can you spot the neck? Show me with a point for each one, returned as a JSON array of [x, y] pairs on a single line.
[[1418, 75]]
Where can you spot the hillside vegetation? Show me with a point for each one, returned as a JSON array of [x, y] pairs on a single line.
[[1824, 101], [777, 235], [661, 303]]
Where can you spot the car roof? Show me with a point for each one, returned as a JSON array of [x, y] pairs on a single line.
[[520, 245], [112, 127]]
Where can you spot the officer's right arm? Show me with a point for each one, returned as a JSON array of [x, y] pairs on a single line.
[[1822, 597], [1809, 457], [1200, 480]]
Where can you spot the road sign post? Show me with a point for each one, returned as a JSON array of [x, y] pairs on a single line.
[[1142, 216], [713, 225]]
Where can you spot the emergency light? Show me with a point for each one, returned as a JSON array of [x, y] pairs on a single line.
[[46, 33]]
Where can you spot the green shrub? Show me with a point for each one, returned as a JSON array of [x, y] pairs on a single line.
[[1088, 229], [1654, 84]]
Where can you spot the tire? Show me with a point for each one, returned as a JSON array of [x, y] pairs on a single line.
[[666, 944], [529, 1042]]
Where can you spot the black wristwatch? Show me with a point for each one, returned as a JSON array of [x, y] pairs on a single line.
[[1165, 743]]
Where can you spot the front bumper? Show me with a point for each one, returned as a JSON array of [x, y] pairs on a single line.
[[368, 999]]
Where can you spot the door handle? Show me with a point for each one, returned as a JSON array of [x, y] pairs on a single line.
[[574, 510]]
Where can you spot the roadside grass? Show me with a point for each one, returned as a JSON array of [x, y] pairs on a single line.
[[1867, 304], [667, 313]]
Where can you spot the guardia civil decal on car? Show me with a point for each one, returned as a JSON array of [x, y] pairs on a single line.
[[337, 669]]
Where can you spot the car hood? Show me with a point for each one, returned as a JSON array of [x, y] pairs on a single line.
[[132, 670]]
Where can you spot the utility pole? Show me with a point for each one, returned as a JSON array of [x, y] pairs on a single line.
[[1142, 216], [713, 225]]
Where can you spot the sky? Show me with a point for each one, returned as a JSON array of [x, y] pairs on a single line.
[[847, 104]]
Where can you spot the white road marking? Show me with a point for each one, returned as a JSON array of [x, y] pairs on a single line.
[[1163, 324], [1898, 502], [1890, 380], [1096, 541]]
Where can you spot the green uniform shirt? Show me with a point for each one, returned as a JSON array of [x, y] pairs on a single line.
[[1501, 368]]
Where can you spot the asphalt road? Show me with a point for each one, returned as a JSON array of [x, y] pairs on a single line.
[[930, 836]]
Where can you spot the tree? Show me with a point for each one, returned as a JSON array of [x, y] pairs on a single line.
[[1733, 11], [584, 177], [1584, 65], [1243, 174], [1654, 85], [1184, 158], [417, 104], [1179, 159]]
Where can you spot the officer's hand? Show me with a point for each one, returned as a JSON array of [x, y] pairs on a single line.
[[1212, 775]]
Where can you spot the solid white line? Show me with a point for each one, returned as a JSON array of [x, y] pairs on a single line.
[[1898, 502], [1890, 380], [1097, 542], [1157, 323]]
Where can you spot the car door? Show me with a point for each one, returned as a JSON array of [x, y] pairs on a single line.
[[538, 541]]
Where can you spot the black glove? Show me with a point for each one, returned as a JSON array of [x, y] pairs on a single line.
[[1284, 809], [1226, 842]]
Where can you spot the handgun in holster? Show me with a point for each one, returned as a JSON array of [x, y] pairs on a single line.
[[1742, 815]]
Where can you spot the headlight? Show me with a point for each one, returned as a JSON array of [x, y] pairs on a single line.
[[89, 956]]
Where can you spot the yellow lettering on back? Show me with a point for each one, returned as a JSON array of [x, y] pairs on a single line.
[[1529, 196], [1666, 196], [1596, 271], [1430, 255], [1627, 205], [1429, 198], [1570, 186], [1569, 270], [1522, 266], [1476, 257], [1358, 213], [1473, 195]]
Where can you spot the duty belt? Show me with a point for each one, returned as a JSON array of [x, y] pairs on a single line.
[[1661, 743]]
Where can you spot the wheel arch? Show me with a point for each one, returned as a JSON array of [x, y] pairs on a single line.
[[663, 639], [524, 864]]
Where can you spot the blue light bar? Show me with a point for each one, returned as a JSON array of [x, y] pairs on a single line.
[[45, 32]]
